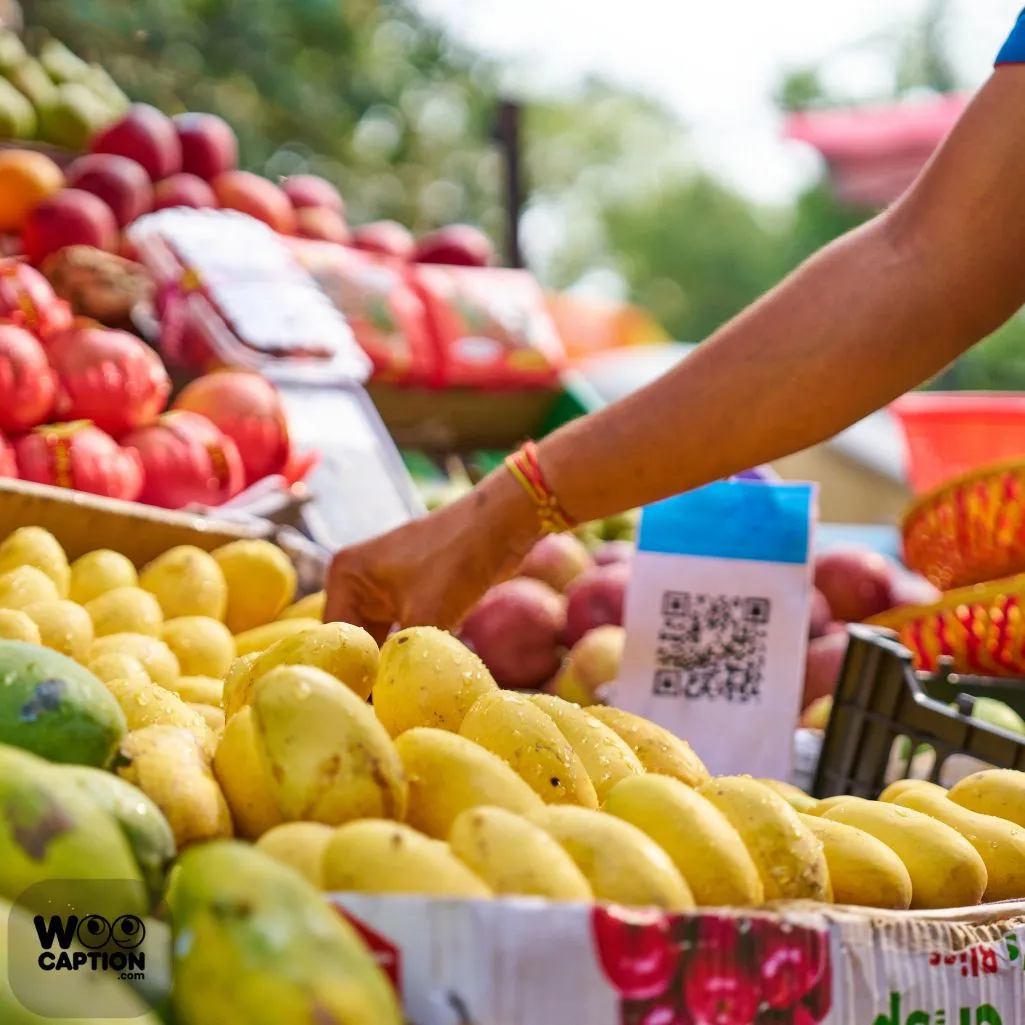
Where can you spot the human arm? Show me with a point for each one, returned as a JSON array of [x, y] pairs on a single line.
[[877, 312]]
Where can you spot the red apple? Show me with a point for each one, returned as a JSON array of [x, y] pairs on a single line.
[[791, 962], [183, 190], [516, 629], [856, 582], [322, 224], [208, 144], [596, 599], [70, 218], [250, 194], [635, 950], [387, 238], [185, 462], [108, 377], [247, 408], [80, 456], [821, 614], [310, 190], [147, 136], [8, 464], [27, 384], [458, 245], [822, 666], [28, 299], [557, 559], [120, 182]]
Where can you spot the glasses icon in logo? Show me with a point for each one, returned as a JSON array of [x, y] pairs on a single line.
[[95, 932]]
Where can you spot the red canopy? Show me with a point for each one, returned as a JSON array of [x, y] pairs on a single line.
[[874, 153]]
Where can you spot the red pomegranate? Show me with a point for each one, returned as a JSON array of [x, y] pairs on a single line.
[[186, 461], [27, 384], [109, 377], [28, 299], [80, 456], [247, 408]]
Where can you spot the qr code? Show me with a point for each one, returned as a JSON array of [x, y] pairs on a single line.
[[712, 647]]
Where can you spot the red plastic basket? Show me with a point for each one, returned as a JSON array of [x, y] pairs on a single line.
[[951, 433]]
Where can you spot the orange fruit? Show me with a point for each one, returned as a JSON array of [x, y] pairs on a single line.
[[26, 179]]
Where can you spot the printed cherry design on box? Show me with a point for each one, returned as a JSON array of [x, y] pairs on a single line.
[[713, 969]]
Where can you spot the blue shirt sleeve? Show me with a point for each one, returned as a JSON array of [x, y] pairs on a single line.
[[1013, 51]]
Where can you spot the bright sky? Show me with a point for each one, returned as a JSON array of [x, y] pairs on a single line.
[[718, 61]]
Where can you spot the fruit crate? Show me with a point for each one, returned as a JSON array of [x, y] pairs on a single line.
[[883, 712]]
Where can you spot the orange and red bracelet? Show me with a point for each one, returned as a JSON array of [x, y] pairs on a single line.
[[525, 467]]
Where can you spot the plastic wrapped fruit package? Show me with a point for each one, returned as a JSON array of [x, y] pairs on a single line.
[[79, 456], [491, 326], [386, 315]]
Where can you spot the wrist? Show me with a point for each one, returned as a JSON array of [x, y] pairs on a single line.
[[507, 510]]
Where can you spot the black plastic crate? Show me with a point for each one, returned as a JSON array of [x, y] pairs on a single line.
[[883, 712]]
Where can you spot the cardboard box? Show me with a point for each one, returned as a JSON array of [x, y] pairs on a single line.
[[527, 962]]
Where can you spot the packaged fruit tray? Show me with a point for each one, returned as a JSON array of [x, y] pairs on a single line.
[[884, 713]]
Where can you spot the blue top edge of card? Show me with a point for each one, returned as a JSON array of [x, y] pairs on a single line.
[[755, 521]]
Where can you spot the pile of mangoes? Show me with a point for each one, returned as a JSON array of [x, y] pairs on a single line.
[[285, 757], [54, 96]]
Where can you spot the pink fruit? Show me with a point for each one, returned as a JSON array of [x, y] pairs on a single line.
[[322, 224], [245, 407], [208, 145], [8, 464], [120, 182], [27, 384], [108, 377], [821, 614], [310, 190], [183, 190], [592, 664], [79, 456], [822, 666], [147, 136], [596, 599], [609, 552], [250, 194], [69, 218], [387, 238], [557, 560], [515, 629], [855, 581], [186, 462], [458, 245], [28, 299]]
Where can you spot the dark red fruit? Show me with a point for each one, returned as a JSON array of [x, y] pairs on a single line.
[[719, 989], [790, 963], [819, 1001], [635, 951], [658, 1012], [799, 1015], [720, 933]]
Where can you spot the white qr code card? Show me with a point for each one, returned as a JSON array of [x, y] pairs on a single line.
[[717, 621]]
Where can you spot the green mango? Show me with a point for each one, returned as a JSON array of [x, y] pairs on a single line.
[[141, 821], [55, 708], [12, 50], [99, 80], [61, 64], [255, 943], [75, 116], [17, 115], [52, 831], [620, 527], [29, 78], [74, 994]]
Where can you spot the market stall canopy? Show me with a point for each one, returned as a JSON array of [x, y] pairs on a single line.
[[588, 326], [874, 153]]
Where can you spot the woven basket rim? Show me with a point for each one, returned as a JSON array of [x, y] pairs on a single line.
[[920, 504], [974, 594]]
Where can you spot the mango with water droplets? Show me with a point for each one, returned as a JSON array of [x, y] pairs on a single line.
[[327, 757], [426, 677], [146, 704], [125, 610], [254, 942], [516, 730], [100, 571], [200, 690], [15, 625], [999, 792], [186, 581], [310, 607], [301, 846], [36, 547], [64, 627], [244, 778], [260, 638], [203, 646], [117, 666], [55, 708], [157, 659], [261, 581], [26, 585]]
